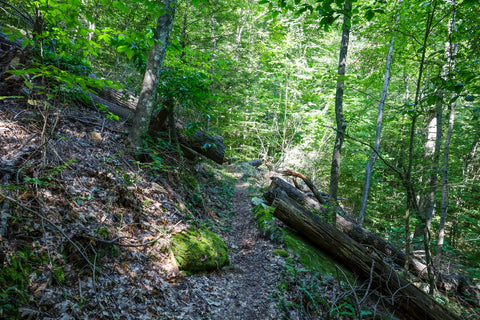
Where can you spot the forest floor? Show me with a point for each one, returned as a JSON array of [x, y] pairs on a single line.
[[243, 291], [85, 231]]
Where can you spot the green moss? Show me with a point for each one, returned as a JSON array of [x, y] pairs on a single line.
[[281, 253], [59, 274], [189, 180], [14, 276], [199, 250], [301, 249], [308, 255]]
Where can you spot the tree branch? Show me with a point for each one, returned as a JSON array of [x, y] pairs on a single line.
[[394, 169]]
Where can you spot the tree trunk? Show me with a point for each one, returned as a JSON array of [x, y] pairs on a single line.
[[429, 207], [434, 153], [452, 52], [378, 133], [407, 300], [412, 202], [194, 144], [444, 200], [146, 100], [448, 283], [340, 119], [204, 143]]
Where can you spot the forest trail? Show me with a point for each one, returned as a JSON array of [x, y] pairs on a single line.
[[243, 289], [99, 189]]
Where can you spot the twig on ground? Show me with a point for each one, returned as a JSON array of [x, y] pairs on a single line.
[[51, 223]]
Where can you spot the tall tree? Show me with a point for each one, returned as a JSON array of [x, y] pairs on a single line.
[[378, 133], [412, 201], [143, 114], [451, 52], [340, 119]]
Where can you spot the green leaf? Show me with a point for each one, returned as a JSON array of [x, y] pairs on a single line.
[[369, 15], [105, 37], [256, 201], [458, 87], [120, 6], [122, 48]]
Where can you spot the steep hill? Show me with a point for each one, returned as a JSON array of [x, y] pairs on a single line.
[[89, 232]]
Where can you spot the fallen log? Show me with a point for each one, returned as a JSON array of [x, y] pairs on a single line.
[[446, 283], [348, 225], [9, 50], [208, 145], [255, 163], [123, 113], [202, 142], [321, 197], [406, 300], [122, 98]]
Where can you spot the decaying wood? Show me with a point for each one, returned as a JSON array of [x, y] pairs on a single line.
[[255, 163], [201, 142], [9, 50], [407, 300], [123, 113], [322, 198], [122, 98], [158, 121], [347, 224]]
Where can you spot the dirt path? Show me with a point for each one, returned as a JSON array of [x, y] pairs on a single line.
[[242, 290]]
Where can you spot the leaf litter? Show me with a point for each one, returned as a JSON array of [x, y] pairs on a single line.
[[99, 226]]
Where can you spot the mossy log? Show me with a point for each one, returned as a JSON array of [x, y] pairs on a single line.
[[446, 283], [408, 301], [199, 250]]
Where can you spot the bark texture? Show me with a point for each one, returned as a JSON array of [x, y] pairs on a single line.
[[378, 133], [340, 119], [144, 109], [452, 49], [204, 143], [407, 300], [280, 189]]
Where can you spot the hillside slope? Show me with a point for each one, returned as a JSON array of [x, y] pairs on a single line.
[[87, 231]]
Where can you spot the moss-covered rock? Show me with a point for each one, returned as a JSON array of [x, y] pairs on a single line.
[[199, 250]]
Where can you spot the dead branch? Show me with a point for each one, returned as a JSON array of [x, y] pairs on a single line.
[[53, 225], [308, 182]]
